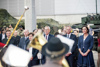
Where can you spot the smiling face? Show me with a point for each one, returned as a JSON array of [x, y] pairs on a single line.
[[68, 30], [26, 32], [84, 30], [8, 33], [46, 30], [30, 37], [76, 32]]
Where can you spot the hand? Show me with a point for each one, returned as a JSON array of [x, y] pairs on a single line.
[[85, 54], [68, 54], [82, 53], [32, 58]]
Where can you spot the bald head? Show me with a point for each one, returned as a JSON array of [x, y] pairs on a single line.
[[26, 32]]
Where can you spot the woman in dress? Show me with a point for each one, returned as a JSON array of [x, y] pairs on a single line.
[[85, 44], [98, 61]]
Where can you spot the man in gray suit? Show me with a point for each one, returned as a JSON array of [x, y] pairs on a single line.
[[25, 40]]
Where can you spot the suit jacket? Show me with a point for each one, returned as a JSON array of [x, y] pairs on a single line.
[[1, 37], [73, 37], [23, 43], [12, 41], [17, 40], [34, 53], [43, 60], [35, 60], [50, 36]]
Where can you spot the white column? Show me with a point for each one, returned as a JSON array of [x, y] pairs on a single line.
[[30, 17]]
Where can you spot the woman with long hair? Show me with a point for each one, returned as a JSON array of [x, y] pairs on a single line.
[[98, 61], [85, 44]]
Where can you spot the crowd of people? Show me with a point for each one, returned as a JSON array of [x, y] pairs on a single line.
[[80, 55]]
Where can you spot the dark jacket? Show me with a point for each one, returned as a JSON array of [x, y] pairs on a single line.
[[35, 60], [12, 41], [73, 37], [1, 37], [50, 36], [71, 57], [17, 40], [43, 60]]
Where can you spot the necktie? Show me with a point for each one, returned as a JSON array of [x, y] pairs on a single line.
[[46, 37]]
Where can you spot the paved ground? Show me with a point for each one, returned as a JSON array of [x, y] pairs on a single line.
[[95, 54]]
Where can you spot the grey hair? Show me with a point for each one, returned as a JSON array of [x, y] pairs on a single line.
[[26, 30], [48, 26]]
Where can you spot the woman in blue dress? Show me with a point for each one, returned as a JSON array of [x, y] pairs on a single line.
[[85, 44]]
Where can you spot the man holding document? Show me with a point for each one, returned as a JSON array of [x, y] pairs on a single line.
[[70, 56]]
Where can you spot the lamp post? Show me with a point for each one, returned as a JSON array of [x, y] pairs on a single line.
[[96, 7]]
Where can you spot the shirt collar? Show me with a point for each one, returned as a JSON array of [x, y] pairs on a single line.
[[69, 35]]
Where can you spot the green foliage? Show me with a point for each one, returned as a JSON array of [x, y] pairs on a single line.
[[54, 25], [6, 19]]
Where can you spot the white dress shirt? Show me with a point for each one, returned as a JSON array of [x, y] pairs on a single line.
[[3, 36], [68, 35], [47, 37]]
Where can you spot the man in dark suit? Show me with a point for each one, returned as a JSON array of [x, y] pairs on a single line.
[[70, 55], [12, 40], [47, 34], [25, 40], [17, 38], [2, 35]]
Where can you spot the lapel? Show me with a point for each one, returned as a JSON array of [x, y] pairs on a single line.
[[44, 35], [27, 41], [49, 37], [23, 38], [86, 37], [6, 39], [1, 36], [71, 36], [5, 36], [82, 38]]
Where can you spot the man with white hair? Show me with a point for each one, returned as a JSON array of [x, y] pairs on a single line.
[[25, 40], [47, 34]]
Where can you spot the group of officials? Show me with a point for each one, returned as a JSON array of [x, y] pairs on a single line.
[[48, 57]]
